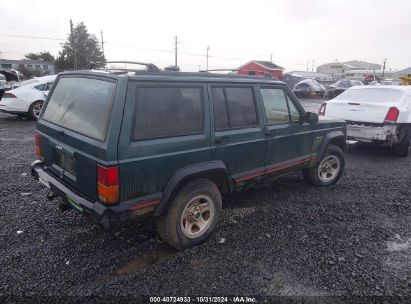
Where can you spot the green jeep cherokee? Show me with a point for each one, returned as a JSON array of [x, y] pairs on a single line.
[[170, 144]]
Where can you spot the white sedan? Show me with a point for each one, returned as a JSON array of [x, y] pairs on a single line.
[[374, 114], [27, 99]]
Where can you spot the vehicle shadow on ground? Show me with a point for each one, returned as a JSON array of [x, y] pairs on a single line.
[[10, 117], [370, 150]]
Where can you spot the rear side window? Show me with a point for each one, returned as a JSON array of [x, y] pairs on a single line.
[[81, 105], [167, 111], [234, 108]]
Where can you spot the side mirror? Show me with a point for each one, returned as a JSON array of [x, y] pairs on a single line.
[[311, 118]]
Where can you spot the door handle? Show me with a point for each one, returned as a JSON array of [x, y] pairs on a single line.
[[221, 139], [270, 133]]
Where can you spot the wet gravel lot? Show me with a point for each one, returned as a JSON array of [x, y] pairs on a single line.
[[280, 238]]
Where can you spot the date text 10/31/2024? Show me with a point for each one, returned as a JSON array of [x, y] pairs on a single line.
[[235, 299]]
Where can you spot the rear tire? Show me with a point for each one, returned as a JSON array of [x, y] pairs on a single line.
[[35, 109], [192, 215], [328, 170]]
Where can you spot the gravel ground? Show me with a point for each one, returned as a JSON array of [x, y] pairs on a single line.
[[350, 239]]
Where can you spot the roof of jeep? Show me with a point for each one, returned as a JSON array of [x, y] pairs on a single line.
[[179, 76]]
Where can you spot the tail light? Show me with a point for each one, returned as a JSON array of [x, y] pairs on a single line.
[[107, 184], [392, 115], [9, 95], [37, 144], [321, 111]]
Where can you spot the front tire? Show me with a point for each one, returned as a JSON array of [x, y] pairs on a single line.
[[192, 215], [328, 170], [35, 109]]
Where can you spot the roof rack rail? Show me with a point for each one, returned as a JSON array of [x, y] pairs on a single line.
[[265, 74], [150, 66]]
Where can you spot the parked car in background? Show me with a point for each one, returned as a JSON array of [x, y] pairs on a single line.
[[375, 114], [2, 84], [12, 78], [170, 144], [27, 99], [340, 86], [308, 87]]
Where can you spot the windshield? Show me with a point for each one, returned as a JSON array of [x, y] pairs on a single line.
[[371, 95], [81, 105]]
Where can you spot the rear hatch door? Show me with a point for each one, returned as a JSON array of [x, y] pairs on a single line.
[[80, 126], [364, 104]]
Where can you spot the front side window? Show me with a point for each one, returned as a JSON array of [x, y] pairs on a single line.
[[294, 113], [234, 108], [167, 111], [82, 105], [275, 105]]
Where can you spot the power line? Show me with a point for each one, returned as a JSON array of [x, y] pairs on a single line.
[[31, 37], [175, 50]]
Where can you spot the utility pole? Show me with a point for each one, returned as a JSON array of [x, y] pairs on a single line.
[[175, 51], [208, 49], [271, 58], [102, 46], [308, 65], [312, 67], [383, 68], [73, 44]]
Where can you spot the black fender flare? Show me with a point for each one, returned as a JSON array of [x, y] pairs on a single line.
[[186, 173], [326, 141]]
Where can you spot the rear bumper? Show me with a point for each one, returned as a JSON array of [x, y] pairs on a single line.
[[103, 214], [385, 133], [58, 188]]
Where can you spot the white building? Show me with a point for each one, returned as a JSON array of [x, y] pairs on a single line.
[[37, 66], [339, 69], [362, 74]]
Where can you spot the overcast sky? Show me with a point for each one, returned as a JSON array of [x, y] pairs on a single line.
[[293, 32]]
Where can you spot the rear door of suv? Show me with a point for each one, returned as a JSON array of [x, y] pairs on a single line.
[[79, 127], [238, 136], [165, 128]]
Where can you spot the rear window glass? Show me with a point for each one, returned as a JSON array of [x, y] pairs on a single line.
[[81, 105], [167, 112], [371, 95], [234, 108]]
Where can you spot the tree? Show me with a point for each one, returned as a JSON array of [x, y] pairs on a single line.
[[87, 50], [43, 56]]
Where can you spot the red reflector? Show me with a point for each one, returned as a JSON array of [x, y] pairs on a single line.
[[37, 139], [37, 144], [9, 95], [107, 176], [321, 111], [392, 115]]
